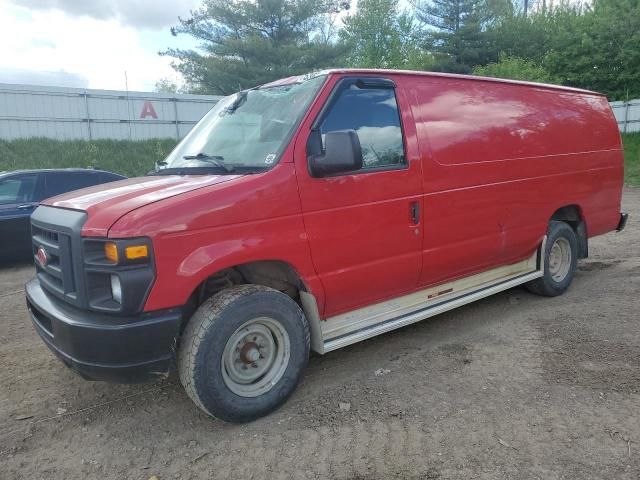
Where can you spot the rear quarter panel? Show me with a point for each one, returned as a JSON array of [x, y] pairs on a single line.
[[499, 159]]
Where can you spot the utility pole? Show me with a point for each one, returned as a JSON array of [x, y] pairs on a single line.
[[126, 86]]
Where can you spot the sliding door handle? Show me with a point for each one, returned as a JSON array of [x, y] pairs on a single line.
[[414, 211]]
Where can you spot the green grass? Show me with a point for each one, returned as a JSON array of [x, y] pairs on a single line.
[[631, 143], [130, 158], [133, 158]]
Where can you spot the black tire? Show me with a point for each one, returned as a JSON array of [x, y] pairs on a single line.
[[546, 285], [217, 320]]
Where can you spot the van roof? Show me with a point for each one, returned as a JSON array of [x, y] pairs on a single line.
[[374, 71]]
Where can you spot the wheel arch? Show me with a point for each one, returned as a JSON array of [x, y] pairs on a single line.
[[274, 273], [277, 274], [573, 215]]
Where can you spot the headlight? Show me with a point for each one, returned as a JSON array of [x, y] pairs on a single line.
[[133, 252], [111, 252], [116, 289], [119, 273]]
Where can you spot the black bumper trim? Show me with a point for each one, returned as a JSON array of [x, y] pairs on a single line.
[[624, 216], [101, 346]]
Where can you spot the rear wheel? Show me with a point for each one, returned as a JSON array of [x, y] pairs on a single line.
[[243, 352], [560, 258]]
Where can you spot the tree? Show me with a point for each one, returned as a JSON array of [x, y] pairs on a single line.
[[598, 49], [523, 37], [457, 31], [245, 43], [593, 47], [165, 85], [379, 36], [516, 69]]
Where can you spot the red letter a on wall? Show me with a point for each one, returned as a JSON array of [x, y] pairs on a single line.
[[148, 111]]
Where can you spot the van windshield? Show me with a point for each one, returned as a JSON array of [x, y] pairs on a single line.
[[245, 131]]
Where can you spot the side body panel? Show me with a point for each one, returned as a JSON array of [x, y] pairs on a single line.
[[499, 159]]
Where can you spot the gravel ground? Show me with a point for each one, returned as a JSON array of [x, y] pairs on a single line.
[[514, 386]]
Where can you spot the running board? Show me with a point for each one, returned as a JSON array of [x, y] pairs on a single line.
[[361, 324]]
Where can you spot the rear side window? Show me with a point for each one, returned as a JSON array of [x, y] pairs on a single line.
[[63, 182], [373, 114], [17, 189]]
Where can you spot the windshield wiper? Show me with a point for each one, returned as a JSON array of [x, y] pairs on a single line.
[[216, 160], [207, 169]]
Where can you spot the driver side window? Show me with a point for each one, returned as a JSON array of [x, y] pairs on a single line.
[[373, 114]]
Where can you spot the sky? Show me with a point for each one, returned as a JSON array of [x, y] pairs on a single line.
[[90, 43]]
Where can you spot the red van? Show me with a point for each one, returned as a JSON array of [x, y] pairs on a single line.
[[318, 211]]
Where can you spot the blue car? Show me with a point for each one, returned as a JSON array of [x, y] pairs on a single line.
[[20, 193]]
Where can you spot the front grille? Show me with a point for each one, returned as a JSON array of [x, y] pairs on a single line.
[[58, 232], [45, 236], [57, 274]]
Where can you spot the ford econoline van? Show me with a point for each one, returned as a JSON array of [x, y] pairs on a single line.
[[319, 211]]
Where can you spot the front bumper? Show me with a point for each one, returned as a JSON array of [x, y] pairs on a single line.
[[105, 347]]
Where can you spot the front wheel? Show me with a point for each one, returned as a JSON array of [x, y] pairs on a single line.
[[243, 352], [560, 258]]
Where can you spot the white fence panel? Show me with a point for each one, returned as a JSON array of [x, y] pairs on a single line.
[[628, 115], [70, 113]]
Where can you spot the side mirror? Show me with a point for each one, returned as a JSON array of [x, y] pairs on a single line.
[[342, 153]]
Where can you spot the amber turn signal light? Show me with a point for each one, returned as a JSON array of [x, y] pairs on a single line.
[[111, 252], [134, 252]]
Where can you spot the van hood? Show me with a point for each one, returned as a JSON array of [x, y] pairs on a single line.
[[108, 202]]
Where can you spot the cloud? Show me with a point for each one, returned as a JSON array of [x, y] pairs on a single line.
[[151, 14], [60, 78], [51, 47]]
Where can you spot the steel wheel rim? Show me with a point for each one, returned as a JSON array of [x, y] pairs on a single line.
[[560, 259], [255, 357]]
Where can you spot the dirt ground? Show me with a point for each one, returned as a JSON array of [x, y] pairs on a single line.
[[515, 386]]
